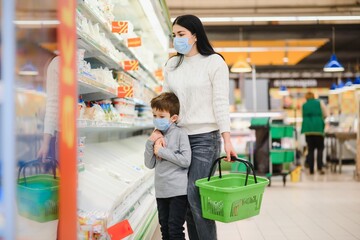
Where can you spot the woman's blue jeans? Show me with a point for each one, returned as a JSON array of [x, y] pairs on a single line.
[[205, 150]]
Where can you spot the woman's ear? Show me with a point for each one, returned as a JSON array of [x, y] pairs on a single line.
[[174, 118]]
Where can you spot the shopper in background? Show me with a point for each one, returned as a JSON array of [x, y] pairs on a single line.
[[171, 165], [51, 121], [313, 125], [49, 146], [200, 79]]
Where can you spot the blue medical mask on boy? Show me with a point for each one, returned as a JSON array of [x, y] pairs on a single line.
[[182, 45], [162, 124]]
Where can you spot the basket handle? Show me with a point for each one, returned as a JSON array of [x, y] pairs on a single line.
[[247, 164], [37, 164]]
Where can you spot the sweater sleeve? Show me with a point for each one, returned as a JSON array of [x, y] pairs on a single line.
[[149, 156], [180, 157], [219, 76], [52, 97], [168, 66]]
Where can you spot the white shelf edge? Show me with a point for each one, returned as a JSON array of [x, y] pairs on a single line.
[[96, 88]]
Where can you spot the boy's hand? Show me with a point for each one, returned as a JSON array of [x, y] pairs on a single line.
[[157, 147], [155, 135]]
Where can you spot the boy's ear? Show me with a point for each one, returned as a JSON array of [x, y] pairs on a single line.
[[174, 118]]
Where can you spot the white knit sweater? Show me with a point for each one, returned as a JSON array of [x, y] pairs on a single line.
[[202, 85]]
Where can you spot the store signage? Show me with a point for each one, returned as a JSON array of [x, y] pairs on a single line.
[[158, 89], [120, 230], [131, 65], [295, 82], [134, 42], [67, 113], [159, 74], [120, 27], [125, 91]]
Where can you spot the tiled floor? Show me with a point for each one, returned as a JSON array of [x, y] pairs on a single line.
[[319, 207]]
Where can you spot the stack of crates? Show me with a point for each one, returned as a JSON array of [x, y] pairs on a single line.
[[278, 154]]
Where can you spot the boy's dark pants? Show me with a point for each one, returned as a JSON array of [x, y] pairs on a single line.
[[172, 212]]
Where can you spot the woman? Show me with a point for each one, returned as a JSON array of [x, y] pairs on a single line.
[[313, 113], [200, 79]]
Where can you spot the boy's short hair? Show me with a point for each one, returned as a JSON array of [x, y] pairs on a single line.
[[166, 101]]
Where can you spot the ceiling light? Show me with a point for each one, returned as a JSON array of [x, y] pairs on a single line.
[[259, 49], [333, 65], [240, 66], [340, 86], [283, 91], [28, 69], [278, 19], [349, 84], [334, 89], [357, 82]]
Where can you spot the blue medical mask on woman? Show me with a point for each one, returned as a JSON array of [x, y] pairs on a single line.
[[182, 45], [162, 124]]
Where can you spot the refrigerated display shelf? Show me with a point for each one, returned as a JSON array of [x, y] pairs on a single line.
[[115, 182], [114, 38], [89, 126], [94, 50], [93, 90]]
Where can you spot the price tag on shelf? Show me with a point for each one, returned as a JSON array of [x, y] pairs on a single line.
[[120, 230], [131, 65], [125, 91], [120, 27], [134, 42]]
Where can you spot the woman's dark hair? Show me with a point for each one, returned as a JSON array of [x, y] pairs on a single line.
[[194, 25]]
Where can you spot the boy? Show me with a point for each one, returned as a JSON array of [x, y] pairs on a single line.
[[171, 165]]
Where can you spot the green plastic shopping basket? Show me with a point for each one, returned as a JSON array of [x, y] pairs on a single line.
[[37, 195], [231, 197]]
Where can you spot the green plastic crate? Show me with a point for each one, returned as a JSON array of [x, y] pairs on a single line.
[[38, 197], [281, 156], [281, 131], [226, 199], [259, 122]]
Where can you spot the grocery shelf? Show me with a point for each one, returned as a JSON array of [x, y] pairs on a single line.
[[116, 183], [94, 90], [94, 50], [115, 39]]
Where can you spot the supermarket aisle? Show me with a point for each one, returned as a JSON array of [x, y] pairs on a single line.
[[320, 207]]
